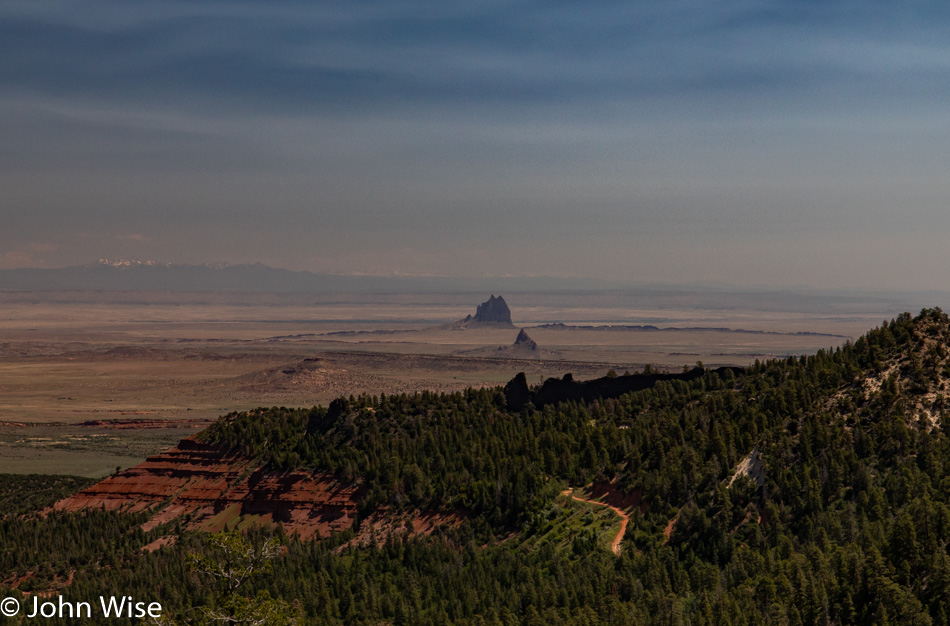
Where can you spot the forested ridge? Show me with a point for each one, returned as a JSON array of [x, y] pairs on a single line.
[[850, 523]]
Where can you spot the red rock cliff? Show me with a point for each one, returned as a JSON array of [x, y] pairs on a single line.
[[215, 489]]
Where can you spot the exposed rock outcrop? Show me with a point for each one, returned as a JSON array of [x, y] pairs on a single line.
[[493, 313], [752, 467], [215, 489], [524, 341], [517, 393], [524, 347]]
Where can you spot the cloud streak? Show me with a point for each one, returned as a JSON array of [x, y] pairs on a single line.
[[415, 121], [290, 57]]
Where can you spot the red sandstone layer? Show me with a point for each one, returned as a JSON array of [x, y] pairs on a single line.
[[217, 489]]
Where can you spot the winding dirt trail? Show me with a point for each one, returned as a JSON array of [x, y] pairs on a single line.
[[624, 518]]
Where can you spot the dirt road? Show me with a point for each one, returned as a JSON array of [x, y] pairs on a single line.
[[624, 518]]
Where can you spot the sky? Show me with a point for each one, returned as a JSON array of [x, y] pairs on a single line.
[[759, 143]]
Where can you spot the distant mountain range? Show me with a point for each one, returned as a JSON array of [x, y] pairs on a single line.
[[146, 275], [130, 275]]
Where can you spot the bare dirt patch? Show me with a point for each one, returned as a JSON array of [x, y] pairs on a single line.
[[624, 518]]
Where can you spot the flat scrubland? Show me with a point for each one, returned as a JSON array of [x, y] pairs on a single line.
[[92, 381]]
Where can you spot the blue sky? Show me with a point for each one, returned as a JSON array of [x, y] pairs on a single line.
[[766, 143]]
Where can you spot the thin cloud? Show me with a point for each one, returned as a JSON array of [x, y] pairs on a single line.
[[132, 238], [28, 255], [239, 126], [241, 59]]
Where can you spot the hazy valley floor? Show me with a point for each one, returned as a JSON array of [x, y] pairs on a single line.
[[93, 381]]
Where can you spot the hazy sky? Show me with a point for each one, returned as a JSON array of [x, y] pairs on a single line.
[[769, 143]]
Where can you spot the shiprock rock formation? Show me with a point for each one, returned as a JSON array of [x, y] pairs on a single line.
[[493, 313], [524, 342], [494, 310]]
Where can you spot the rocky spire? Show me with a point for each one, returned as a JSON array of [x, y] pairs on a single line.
[[524, 340], [493, 311]]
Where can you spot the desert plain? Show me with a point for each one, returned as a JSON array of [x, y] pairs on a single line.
[[95, 381]]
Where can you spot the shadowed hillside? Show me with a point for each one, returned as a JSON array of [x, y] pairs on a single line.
[[566, 389]]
